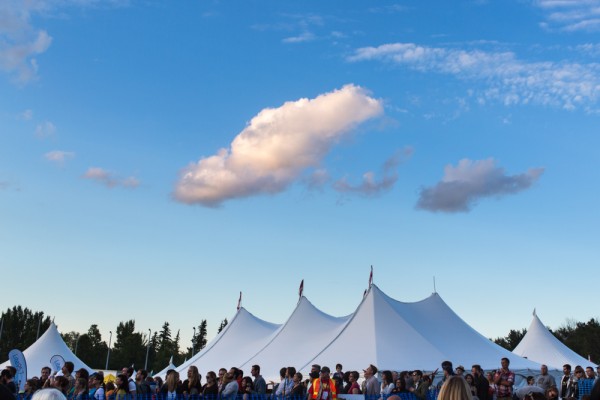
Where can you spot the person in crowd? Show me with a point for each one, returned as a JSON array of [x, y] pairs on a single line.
[[98, 385], [460, 371], [238, 375], [172, 387], [260, 386], [49, 394], [421, 386], [471, 382], [211, 388], [589, 373], [298, 390], [323, 388], [372, 386], [552, 393], [67, 371], [448, 372], [480, 382], [61, 383], [247, 387], [400, 387], [544, 379], [575, 390], [504, 379], [491, 385], [529, 387], [192, 385], [230, 387], [289, 379], [110, 390], [278, 388], [455, 388], [354, 387], [81, 391], [121, 387], [585, 381], [31, 386], [44, 375], [338, 377], [387, 383], [128, 372], [143, 388], [315, 372], [565, 382], [158, 384], [222, 372]]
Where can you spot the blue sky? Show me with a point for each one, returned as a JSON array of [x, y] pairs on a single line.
[[157, 158]]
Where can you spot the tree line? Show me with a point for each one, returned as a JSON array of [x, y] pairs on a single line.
[[19, 330]]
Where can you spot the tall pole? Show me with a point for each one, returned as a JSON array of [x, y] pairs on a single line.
[[1, 325], [38, 331], [147, 350], [193, 341], [108, 353], [77, 343]]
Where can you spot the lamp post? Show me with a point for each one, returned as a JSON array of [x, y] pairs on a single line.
[[147, 350], [108, 353], [77, 343], [193, 341]]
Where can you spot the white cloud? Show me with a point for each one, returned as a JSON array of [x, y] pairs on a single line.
[[462, 186], [571, 15], [58, 156], [26, 115], [503, 76], [45, 130], [304, 37], [109, 179], [370, 186], [276, 146]]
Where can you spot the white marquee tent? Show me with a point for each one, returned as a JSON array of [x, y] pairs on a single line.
[[162, 374], [382, 331], [540, 345], [39, 353]]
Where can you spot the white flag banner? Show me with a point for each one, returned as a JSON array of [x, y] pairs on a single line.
[[17, 360], [57, 361]]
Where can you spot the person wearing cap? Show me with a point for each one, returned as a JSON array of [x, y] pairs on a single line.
[[504, 380], [545, 380], [460, 370], [323, 388], [372, 386]]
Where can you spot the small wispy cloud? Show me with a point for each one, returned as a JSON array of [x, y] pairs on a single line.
[[570, 15], [45, 129], [502, 76], [59, 157], [26, 115], [304, 37], [276, 147], [369, 185], [109, 179], [462, 186]]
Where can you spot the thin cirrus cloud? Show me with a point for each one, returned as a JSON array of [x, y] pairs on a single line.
[[462, 186], [502, 76], [570, 15], [109, 179], [370, 185], [45, 129], [276, 147]]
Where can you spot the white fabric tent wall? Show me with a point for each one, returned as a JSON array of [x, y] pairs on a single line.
[[237, 342], [405, 336], [304, 334], [540, 345], [163, 374], [39, 353]]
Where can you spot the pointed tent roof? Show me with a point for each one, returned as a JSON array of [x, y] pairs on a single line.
[[39, 353], [236, 343], [162, 374], [540, 345], [289, 346], [395, 335]]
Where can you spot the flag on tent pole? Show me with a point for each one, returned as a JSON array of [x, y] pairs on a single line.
[[365, 293], [239, 302], [371, 277], [301, 289]]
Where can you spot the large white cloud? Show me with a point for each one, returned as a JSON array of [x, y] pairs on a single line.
[[499, 76], [462, 186], [276, 147]]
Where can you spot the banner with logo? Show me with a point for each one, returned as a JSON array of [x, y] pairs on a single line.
[[17, 360], [57, 362]]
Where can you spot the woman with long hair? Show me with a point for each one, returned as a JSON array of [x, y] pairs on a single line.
[[81, 389], [121, 387], [171, 389], [247, 387], [354, 387], [192, 385], [387, 383], [455, 388]]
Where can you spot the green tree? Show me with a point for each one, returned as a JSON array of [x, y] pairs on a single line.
[[129, 347], [511, 340], [92, 349], [164, 348], [581, 337], [20, 329], [223, 325]]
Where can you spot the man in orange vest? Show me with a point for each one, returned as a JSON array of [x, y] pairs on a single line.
[[323, 388]]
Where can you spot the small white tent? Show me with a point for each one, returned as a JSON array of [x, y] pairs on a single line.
[[236, 343], [49, 344], [305, 333], [540, 345], [163, 374]]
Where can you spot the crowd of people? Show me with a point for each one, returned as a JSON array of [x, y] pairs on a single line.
[[320, 384]]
